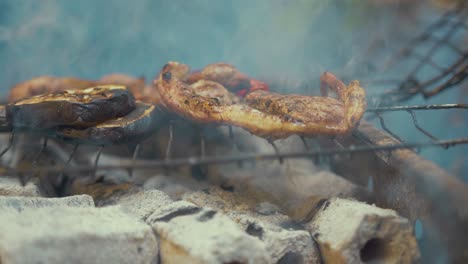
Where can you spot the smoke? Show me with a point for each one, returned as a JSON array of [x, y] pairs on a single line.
[[292, 40], [281, 40], [298, 39], [289, 41]]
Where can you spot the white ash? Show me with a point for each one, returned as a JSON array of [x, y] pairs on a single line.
[[24, 203], [229, 202], [343, 228], [207, 237], [172, 210], [74, 235], [167, 184], [142, 204], [12, 187], [266, 208], [280, 236], [279, 241]]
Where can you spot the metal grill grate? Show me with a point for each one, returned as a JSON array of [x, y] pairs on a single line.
[[203, 159], [445, 33], [445, 36]]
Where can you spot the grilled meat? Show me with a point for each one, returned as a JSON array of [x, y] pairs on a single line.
[[79, 108], [135, 85], [224, 74], [135, 126], [227, 75], [51, 84], [336, 116], [299, 108], [214, 90], [46, 84], [266, 114]]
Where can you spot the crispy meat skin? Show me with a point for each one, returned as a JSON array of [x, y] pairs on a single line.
[[50, 84], [46, 84], [214, 90], [135, 85], [135, 126], [305, 109], [79, 108], [266, 114], [223, 73], [341, 115]]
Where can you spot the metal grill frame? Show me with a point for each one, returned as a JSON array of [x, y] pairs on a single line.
[[452, 22]]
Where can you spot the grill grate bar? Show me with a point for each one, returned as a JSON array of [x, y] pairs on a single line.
[[70, 158], [209, 160], [384, 127], [39, 153], [304, 142], [456, 79], [411, 87], [134, 157], [416, 124], [450, 45], [72, 154], [202, 142], [423, 37], [169, 141], [429, 61], [272, 143], [96, 161], [316, 154], [416, 107], [450, 24], [10, 143], [409, 109]]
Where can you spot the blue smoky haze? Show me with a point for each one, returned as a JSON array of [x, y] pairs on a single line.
[[291, 41], [294, 39]]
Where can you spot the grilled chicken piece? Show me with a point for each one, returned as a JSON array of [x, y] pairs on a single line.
[[46, 84], [135, 126], [228, 76], [51, 84], [224, 74], [135, 85], [335, 116], [266, 114], [79, 108], [298, 108], [214, 90]]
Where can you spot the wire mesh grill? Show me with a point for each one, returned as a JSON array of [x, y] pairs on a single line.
[[134, 162], [442, 34], [446, 36]]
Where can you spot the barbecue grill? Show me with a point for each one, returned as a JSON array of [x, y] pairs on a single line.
[[429, 196]]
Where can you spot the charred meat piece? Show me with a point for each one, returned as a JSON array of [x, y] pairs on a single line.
[[214, 90], [135, 126], [50, 84], [141, 91], [266, 114], [137, 86], [333, 116], [223, 73], [79, 108], [228, 76], [46, 85], [298, 108]]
